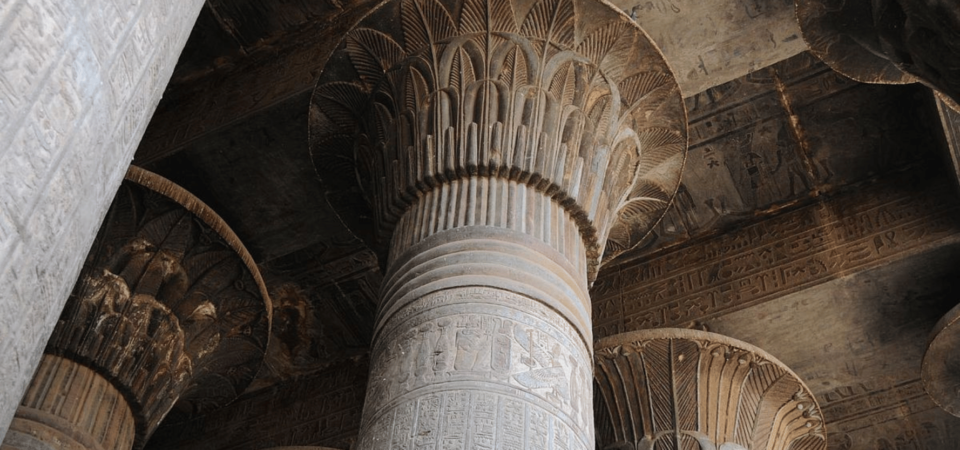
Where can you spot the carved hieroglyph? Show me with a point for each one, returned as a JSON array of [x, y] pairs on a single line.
[[887, 41], [169, 307], [940, 370], [688, 389], [504, 146]]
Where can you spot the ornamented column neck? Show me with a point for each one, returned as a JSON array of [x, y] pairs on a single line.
[[887, 41], [169, 309], [568, 98], [940, 370], [688, 389], [505, 147]]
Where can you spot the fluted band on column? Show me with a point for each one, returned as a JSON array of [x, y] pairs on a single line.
[[534, 250], [567, 97], [69, 406], [678, 388]]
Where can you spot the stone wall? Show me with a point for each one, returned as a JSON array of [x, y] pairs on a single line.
[[79, 80]]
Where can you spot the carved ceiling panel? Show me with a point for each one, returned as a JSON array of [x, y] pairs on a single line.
[[785, 135]]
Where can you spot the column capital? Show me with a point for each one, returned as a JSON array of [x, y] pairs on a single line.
[[939, 367], [690, 388], [169, 306], [887, 41], [568, 97]]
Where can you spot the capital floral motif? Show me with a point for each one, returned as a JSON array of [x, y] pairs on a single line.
[[566, 96]]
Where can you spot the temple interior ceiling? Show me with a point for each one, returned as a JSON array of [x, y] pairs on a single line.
[[817, 218]]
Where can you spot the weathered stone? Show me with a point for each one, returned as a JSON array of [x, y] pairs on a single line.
[[70, 406], [887, 41], [169, 308], [79, 81], [506, 147], [678, 388], [708, 43], [941, 364]]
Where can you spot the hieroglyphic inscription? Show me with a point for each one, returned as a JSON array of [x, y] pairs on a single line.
[[495, 421], [772, 258], [854, 408], [481, 337]]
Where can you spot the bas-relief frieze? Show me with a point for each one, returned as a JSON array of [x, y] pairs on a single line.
[[897, 417], [471, 419], [782, 135], [526, 358], [712, 51], [768, 259]]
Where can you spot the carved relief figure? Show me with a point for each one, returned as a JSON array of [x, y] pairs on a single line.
[[480, 346]]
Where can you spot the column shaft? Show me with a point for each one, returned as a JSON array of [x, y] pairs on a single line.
[[69, 406], [482, 337]]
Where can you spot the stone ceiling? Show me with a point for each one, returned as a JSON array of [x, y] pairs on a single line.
[[815, 218]]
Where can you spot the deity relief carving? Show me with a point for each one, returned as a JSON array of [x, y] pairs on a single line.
[[681, 388], [489, 344], [169, 306]]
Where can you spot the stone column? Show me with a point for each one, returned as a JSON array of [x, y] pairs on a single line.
[[79, 80], [887, 41], [169, 309], [940, 369], [505, 147], [688, 389]]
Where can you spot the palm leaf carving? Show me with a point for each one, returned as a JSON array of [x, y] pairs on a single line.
[[563, 86], [479, 16], [598, 44], [551, 21], [425, 23], [372, 54], [657, 145], [638, 86], [341, 102], [514, 71]]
